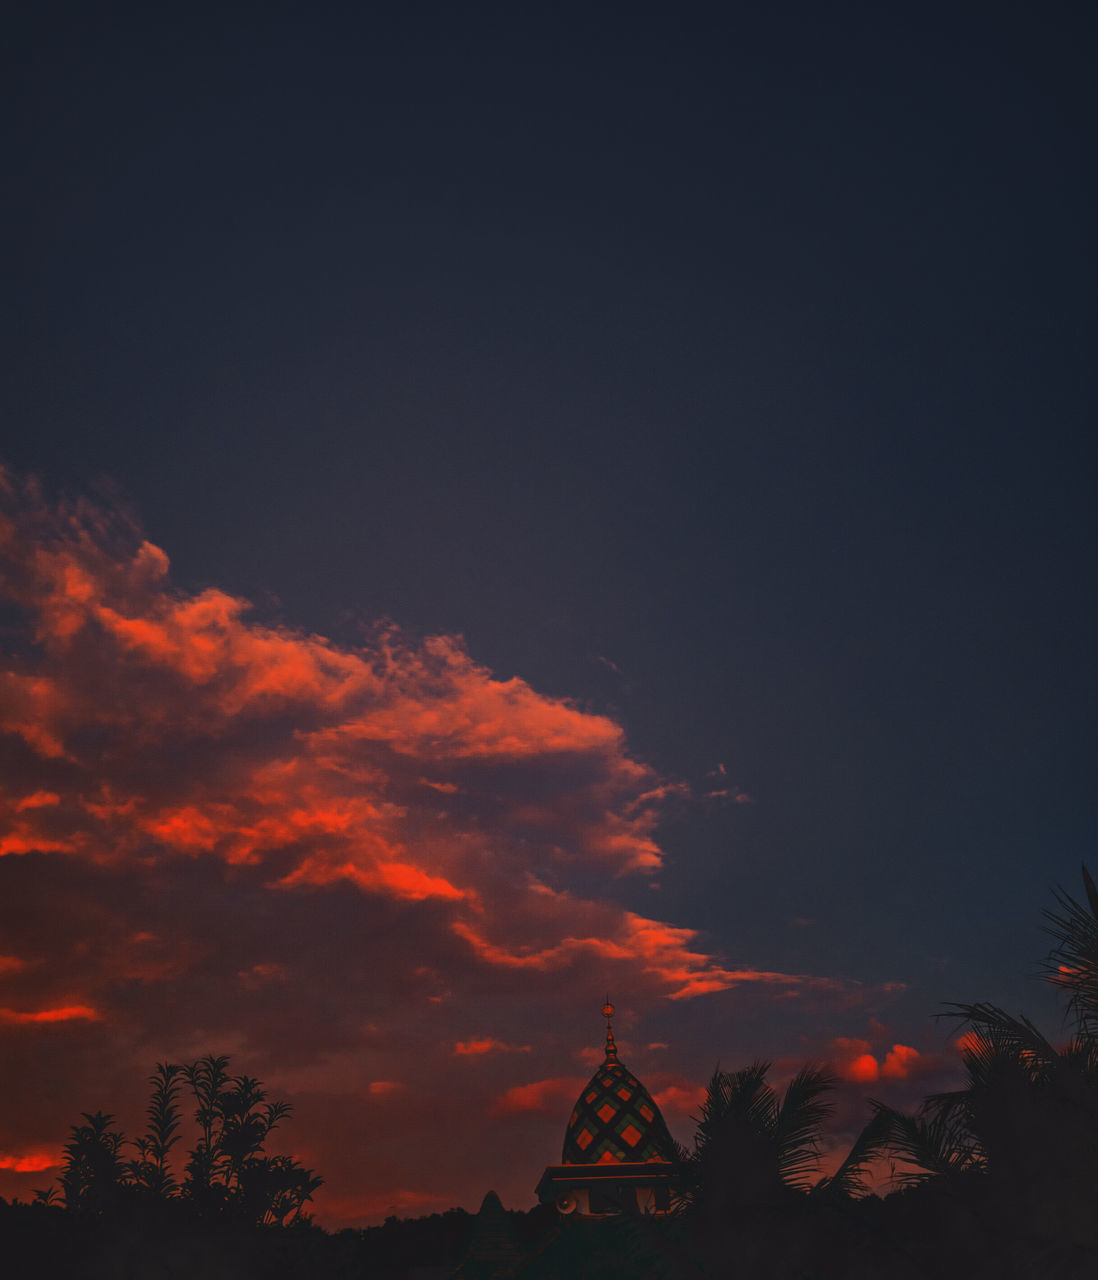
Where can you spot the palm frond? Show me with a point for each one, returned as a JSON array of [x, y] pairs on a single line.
[[1073, 964], [738, 1099], [799, 1122], [934, 1143], [849, 1179], [994, 1026]]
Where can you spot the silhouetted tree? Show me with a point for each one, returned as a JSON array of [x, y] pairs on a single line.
[[750, 1149], [151, 1171], [227, 1171], [227, 1174], [1019, 1137], [93, 1174], [1072, 964]]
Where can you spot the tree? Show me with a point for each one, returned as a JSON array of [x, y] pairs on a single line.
[[227, 1174], [1020, 1135], [151, 1171], [93, 1174], [227, 1171], [1073, 963], [751, 1150]]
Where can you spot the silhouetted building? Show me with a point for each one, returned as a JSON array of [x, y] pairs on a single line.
[[493, 1252], [618, 1156]]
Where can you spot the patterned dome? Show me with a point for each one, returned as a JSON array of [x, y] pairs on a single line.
[[615, 1119]]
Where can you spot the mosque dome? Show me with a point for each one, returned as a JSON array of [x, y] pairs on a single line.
[[615, 1119]]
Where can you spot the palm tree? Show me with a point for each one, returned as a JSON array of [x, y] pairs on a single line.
[[1019, 1137], [751, 1150], [1073, 962]]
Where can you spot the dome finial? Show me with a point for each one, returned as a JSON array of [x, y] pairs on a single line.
[[611, 1048]]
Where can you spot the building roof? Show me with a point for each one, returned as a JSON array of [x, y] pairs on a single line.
[[615, 1119]]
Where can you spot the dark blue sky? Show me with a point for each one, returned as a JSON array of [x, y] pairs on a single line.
[[729, 369]]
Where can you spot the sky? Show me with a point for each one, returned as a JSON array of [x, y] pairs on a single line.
[[508, 505]]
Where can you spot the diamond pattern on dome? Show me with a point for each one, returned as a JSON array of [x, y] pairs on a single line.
[[632, 1136], [615, 1120]]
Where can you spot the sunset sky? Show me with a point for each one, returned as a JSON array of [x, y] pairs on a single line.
[[503, 505]]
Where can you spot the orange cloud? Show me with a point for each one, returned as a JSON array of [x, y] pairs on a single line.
[[863, 1068], [662, 951], [900, 1061], [232, 827], [540, 1095], [31, 1161], [66, 1013], [680, 1100], [854, 1061], [967, 1041], [340, 783], [474, 1048], [258, 974], [38, 800]]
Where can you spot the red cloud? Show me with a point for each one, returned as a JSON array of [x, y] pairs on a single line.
[[474, 1048], [30, 1161], [38, 800], [329, 861], [863, 1068], [855, 1062], [679, 1099], [64, 1014], [661, 950], [553, 1096], [901, 1061], [966, 1041]]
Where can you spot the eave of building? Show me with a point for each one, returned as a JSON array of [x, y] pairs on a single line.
[[560, 1177]]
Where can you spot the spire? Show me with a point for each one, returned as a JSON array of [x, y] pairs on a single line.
[[611, 1048]]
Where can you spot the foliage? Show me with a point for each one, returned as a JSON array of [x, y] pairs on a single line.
[[227, 1174], [750, 1149], [93, 1170], [151, 1170], [849, 1180], [1026, 1120], [1073, 962]]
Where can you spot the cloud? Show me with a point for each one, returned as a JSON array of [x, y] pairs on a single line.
[[550, 1096], [901, 1061], [30, 1161], [221, 834], [853, 1060], [474, 1048], [678, 1099], [64, 1014], [856, 1061]]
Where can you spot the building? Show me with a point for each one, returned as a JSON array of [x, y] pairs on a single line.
[[618, 1157]]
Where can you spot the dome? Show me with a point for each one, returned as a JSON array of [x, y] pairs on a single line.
[[615, 1118]]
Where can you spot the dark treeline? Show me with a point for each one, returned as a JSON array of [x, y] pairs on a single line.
[[998, 1178], [47, 1241]]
